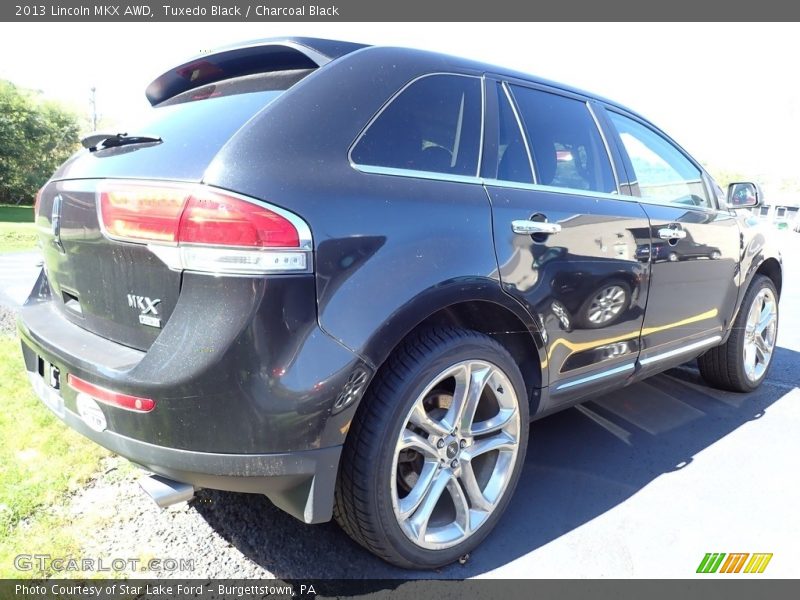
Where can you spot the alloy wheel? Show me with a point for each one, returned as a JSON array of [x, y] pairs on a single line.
[[455, 454], [760, 334]]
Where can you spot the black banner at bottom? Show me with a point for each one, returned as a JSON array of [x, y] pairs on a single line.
[[243, 589]]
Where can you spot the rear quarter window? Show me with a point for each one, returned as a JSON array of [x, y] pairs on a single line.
[[433, 125]]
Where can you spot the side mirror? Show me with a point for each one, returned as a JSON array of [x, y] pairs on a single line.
[[743, 195]]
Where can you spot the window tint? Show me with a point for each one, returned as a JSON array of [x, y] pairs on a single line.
[[194, 132], [566, 145], [433, 125], [513, 163], [662, 171]]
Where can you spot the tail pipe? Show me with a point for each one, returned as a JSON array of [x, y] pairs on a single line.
[[166, 492]]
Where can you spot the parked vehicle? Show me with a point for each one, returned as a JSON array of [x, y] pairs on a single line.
[[348, 277]]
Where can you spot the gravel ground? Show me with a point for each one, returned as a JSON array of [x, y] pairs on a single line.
[[8, 322], [227, 535]]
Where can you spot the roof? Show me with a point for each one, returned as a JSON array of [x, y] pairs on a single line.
[[269, 54]]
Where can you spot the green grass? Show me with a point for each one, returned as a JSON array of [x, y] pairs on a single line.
[[41, 462], [11, 213], [16, 228]]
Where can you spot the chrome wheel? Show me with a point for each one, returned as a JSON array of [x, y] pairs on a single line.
[[759, 334], [606, 304], [455, 454]]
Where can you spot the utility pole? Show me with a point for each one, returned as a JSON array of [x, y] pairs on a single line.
[[93, 102]]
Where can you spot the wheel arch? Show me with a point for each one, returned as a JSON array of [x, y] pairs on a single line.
[[771, 268], [485, 310]]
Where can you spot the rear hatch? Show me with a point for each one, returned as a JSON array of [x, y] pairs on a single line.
[[116, 289]]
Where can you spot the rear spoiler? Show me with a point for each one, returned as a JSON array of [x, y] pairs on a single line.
[[262, 56]]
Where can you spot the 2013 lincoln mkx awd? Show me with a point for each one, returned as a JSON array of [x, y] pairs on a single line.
[[348, 277]]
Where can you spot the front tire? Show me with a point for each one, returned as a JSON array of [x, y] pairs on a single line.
[[435, 450], [743, 361]]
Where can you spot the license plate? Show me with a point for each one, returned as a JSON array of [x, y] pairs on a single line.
[[47, 387]]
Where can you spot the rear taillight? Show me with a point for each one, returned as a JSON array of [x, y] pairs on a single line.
[[142, 214], [197, 228], [221, 221], [109, 397]]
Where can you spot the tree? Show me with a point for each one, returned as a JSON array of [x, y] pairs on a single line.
[[725, 176], [36, 136]]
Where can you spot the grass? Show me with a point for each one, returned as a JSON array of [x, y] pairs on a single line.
[[17, 230], [41, 462]]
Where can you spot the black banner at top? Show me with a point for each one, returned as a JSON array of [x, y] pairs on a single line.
[[399, 10]]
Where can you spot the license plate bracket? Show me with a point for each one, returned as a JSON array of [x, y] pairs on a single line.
[[47, 385]]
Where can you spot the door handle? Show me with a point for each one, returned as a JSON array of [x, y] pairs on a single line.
[[668, 233], [528, 227]]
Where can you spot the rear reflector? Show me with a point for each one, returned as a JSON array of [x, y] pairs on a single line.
[[197, 228], [109, 397], [224, 260]]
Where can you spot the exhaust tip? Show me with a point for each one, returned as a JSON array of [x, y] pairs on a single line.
[[166, 492]]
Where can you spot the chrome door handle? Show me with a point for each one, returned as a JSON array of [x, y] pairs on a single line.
[[668, 233], [527, 227]]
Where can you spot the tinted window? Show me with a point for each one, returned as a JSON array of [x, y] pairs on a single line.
[[193, 132], [513, 163], [433, 125], [662, 171], [566, 145]]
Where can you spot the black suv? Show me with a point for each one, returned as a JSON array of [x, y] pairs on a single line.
[[347, 278]]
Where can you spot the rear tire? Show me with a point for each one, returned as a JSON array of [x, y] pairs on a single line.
[[743, 361], [426, 473]]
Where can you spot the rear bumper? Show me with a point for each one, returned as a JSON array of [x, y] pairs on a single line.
[[247, 406], [300, 482]]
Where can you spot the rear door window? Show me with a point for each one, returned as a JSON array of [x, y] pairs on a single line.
[[567, 148], [513, 160], [433, 125]]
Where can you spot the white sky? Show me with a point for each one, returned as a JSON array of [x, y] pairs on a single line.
[[729, 93]]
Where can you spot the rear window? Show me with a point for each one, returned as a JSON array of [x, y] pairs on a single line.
[[206, 124], [193, 126], [204, 118], [433, 125]]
